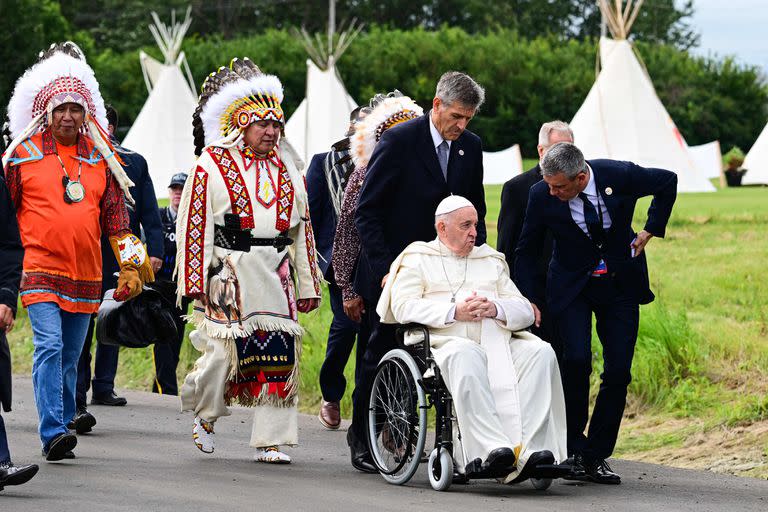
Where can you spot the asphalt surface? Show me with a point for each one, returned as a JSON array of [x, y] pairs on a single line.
[[141, 457]]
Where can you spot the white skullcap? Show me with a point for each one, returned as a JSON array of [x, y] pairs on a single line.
[[452, 203]]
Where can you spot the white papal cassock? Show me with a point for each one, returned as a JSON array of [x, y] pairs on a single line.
[[505, 381]]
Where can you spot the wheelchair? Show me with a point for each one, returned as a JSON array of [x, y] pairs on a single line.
[[407, 384]]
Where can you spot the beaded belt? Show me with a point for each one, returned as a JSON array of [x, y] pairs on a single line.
[[241, 239]]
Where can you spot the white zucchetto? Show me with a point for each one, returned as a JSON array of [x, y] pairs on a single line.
[[452, 203]]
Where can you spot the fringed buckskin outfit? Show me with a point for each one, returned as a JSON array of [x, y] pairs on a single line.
[[246, 255]]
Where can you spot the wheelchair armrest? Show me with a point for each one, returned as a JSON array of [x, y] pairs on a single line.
[[411, 335]]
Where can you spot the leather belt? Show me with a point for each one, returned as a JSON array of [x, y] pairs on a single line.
[[241, 240]]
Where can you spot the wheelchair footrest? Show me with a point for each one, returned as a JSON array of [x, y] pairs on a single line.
[[475, 471], [550, 471]]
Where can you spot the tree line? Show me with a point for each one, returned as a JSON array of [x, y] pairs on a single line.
[[529, 79], [120, 24]]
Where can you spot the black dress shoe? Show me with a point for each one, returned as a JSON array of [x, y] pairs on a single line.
[[83, 422], [460, 479], [362, 461], [535, 459], [600, 472], [58, 448], [499, 459], [110, 399], [578, 473], [16, 475]]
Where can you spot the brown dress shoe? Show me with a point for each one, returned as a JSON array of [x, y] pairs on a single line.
[[330, 415]]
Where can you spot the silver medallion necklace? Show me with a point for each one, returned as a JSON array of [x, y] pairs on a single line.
[[74, 192], [445, 272]]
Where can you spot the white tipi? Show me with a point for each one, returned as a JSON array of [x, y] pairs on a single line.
[[322, 117], [622, 117], [162, 132], [756, 161], [500, 166]]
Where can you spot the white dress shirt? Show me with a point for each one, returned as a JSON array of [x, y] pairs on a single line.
[[577, 206], [437, 139]]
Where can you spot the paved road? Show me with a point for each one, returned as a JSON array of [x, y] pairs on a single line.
[[141, 457]]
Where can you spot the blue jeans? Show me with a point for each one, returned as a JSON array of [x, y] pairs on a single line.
[[58, 337]]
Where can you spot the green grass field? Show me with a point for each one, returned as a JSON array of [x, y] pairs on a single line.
[[702, 358]]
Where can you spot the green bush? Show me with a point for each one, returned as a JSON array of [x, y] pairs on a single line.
[[666, 367]]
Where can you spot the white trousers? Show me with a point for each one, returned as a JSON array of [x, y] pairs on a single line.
[[464, 367], [203, 393]]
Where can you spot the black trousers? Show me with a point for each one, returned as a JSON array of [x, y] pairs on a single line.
[[547, 331], [617, 318], [166, 356], [5, 452], [104, 369], [341, 340], [380, 340]]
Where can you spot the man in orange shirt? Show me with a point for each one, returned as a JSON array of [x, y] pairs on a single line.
[[68, 188]]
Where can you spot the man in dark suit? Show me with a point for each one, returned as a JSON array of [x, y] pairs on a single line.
[[514, 201], [11, 257], [598, 266], [414, 166], [145, 219], [326, 180], [166, 355]]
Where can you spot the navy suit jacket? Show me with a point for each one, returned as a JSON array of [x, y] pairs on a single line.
[[11, 258], [514, 202], [402, 188], [144, 214], [575, 256], [321, 212]]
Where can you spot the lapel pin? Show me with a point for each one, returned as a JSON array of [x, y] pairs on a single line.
[[461, 152], [608, 191]]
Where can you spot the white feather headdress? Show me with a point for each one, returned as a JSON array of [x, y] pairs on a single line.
[[61, 76], [231, 99], [385, 112]]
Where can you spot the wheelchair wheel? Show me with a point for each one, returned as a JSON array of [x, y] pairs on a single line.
[[440, 470], [541, 484], [397, 417]]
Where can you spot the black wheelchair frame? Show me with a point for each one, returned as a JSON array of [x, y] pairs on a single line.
[[407, 384]]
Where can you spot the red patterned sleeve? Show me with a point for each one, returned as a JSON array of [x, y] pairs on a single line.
[[346, 242], [114, 214], [13, 181]]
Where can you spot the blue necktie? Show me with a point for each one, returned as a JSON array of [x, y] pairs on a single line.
[[442, 157], [592, 220]]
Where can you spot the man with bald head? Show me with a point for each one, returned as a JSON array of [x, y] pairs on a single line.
[[505, 382]]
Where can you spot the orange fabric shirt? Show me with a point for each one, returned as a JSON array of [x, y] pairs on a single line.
[[62, 248]]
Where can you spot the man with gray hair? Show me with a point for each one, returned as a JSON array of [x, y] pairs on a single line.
[[414, 166], [514, 201], [598, 267]]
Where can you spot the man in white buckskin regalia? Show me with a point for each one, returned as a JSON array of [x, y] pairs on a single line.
[[505, 382], [246, 256]]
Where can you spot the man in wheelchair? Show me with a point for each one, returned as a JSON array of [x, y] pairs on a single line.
[[505, 382]]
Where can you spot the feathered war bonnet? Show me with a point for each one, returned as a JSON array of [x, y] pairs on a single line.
[[61, 75], [384, 112], [231, 99]]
